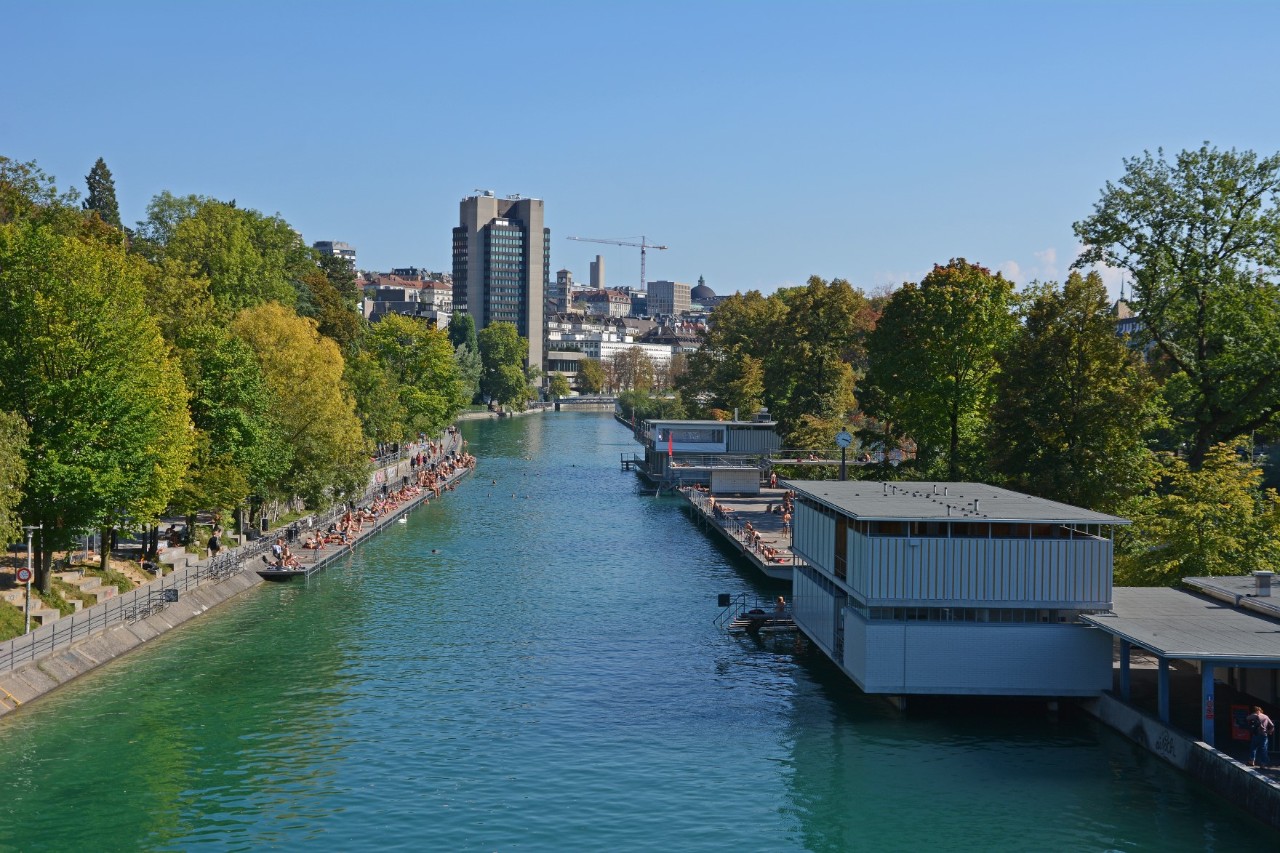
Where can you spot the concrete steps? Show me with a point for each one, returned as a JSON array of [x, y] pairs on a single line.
[[40, 614], [88, 585]]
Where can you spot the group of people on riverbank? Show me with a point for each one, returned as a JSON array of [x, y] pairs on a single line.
[[743, 529]]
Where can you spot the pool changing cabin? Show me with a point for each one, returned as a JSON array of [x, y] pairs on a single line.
[[953, 588]]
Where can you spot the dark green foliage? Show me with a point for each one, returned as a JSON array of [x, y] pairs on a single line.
[[102, 194], [1201, 237], [933, 358], [462, 332], [1073, 402], [502, 352]]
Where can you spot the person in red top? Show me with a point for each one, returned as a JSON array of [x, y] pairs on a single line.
[[1260, 725]]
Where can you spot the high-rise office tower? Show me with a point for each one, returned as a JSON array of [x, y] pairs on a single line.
[[502, 265]]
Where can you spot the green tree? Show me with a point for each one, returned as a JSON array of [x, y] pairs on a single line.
[[814, 353], [558, 385], [630, 370], [502, 352], [102, 194], [462, 332], [470, 369], [325, 304], [237, 252], [328, 455], [27, 192], [13, 474], [341, 274], [591, 376], [421, 361], [724, 379], [1201, 238], [377, 397], [1212, 521], [933, 359], [1072, 402], [231, 408], [86, 368]]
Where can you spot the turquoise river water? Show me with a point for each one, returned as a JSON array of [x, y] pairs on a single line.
[[531, 666]]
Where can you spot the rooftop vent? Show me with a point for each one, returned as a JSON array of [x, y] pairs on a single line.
[[1262, 584]]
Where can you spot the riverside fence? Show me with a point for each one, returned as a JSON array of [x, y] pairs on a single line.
[[154, 596]]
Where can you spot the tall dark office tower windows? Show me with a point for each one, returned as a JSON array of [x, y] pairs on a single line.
[[502, 265]]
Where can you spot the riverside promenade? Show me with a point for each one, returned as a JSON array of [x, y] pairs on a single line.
[[39, 662], [750, 525]]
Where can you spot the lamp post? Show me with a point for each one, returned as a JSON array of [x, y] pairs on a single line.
[[26, 618]]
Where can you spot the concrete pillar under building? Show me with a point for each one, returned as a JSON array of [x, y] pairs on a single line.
[[1124, 670], [1206, 702], [1162, 682]]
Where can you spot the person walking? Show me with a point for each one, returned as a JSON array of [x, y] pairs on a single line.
[[1261, 729]]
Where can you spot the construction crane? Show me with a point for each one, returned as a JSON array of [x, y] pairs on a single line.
[[644, 245]]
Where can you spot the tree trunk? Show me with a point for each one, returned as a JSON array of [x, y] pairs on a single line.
[[104, 553], [953, 466]]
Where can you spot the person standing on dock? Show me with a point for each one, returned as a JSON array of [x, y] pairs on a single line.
[[1261, 728]]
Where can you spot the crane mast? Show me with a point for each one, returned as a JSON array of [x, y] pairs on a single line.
[[643, 245]]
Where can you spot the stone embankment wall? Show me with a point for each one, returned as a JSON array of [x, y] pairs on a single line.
[[51, 671], [1234, 780], [37, 663]]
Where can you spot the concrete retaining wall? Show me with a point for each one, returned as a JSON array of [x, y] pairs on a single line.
[[1234, 780], [34, 680], [52, 669]]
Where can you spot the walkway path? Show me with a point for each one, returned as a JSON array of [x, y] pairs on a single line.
[[732, 520]]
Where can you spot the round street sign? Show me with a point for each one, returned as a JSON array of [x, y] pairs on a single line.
[[843, 438], [24, 574]]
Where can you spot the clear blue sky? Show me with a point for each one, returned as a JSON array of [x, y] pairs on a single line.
[[763, 142]]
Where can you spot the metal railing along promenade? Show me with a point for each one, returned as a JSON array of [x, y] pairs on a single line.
[[126, 607], [153, 596]]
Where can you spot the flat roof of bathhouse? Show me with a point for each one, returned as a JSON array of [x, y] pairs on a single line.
[[875, 500]]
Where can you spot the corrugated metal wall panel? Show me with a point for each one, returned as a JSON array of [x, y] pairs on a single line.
[[813, 609], [735, 482], [752, 440], [954, 572]]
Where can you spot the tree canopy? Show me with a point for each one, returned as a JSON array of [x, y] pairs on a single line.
[[1216, 520], [89, 373], [502, 352], [933, 357], [1201, 238], [102, 194], [421, 361], [327, 454], [1073, 403]]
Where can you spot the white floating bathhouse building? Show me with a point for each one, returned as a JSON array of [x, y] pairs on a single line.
[[953, 588]]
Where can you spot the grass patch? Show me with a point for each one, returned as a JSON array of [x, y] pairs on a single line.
[[70, 592], [111, 577], [54, 600], [10, 621]]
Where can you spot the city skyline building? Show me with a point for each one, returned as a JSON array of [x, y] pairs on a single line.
[[502, 266], [597, 273], [668, 297], [337, 249]]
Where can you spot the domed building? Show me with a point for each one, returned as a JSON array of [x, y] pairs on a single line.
[[703, 295]]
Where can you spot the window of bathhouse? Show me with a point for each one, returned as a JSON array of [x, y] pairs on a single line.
[[692, 436]]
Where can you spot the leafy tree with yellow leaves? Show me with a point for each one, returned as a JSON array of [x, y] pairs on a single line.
[[1213, 521], [303, 370]]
